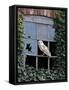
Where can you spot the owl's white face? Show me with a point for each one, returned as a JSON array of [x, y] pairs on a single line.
[[41, 42]]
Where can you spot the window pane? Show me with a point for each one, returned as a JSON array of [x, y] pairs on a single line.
[[51, 33], [45, 32], [42, 32], [30, 30], [30, 47]]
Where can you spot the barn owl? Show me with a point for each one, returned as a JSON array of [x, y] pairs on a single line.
[[44, 48]]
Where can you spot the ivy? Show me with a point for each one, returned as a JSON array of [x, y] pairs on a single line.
[[59, 24], [20, 47]]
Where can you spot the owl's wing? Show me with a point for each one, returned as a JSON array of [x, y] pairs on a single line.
[[46, 50]]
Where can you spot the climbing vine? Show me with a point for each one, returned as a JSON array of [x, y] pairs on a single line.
[[59, 24], [20, 47]]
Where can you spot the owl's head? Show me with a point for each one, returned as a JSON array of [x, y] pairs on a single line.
[[40, 42]]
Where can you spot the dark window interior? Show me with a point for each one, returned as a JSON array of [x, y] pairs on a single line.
[[43, 62], [53, 48], [31, 60], [52, 62]]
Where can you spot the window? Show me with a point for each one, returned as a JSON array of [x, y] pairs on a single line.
[[39, 28]]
